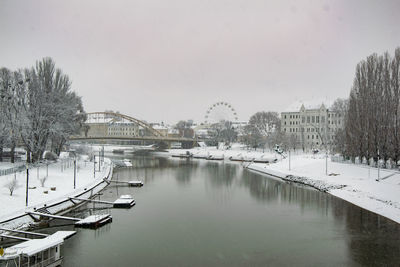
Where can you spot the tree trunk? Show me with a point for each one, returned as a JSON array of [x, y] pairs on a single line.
[[1, 152], [28, 156], [12, 152]]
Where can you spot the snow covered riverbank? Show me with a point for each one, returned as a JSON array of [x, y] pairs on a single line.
[[354, 183], [59, 185]]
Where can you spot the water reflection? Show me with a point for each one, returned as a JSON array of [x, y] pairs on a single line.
[[216, 213]]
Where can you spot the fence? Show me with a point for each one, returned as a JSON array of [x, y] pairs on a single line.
[[389, 164], [19, 168]]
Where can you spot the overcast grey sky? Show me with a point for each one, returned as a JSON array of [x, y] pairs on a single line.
[[163, 60]]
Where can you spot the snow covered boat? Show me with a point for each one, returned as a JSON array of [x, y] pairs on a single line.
[[215, 157], [241, 159], [183, 155], [200, 156], [265, 160], [136, 183], [36, 252], [118, 151], [127, 163]]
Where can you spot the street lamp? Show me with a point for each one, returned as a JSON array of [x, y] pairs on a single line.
[[75, 172], [27, 179], [377, 179]]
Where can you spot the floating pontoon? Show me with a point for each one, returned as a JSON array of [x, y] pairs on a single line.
[[94, 221], [136, 183], [125, 201]]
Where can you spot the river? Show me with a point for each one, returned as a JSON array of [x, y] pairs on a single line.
[[203, 213]]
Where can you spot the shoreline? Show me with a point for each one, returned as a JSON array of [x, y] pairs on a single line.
[[20, 219]]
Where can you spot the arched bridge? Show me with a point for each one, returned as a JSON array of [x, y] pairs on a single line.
[[103, 126]]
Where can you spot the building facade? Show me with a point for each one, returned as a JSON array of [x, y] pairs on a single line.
[[123, 129], [312, 127]]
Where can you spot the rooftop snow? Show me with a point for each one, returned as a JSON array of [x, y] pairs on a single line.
[[314, 103]]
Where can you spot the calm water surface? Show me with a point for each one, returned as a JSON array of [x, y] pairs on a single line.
[[202, 213]]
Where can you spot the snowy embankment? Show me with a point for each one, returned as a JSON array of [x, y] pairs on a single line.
[[354, 183], [58, 187], [236, 152]]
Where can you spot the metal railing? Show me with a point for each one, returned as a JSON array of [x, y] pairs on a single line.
[[388, 165], [12, 170]]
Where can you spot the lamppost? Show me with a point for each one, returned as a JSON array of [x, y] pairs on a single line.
[[326, 162], [75, 172], [377, 179], [27, 179]]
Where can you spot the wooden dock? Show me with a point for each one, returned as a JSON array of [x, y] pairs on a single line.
[[93, 221], [15, 237], [23, 232], [136, 183], [125, 201], [92, 200], [122, 202], [49, 215]]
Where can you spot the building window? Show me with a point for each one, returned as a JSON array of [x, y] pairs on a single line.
[[313, 119], [308, 119], [323, 119], [303, 119], [317, 118]]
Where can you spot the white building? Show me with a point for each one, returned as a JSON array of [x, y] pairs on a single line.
[[311, 126], [123, 129]]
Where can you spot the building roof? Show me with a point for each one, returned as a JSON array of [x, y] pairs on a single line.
[[314, 103]]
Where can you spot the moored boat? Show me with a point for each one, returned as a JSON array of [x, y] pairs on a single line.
[[36, 252]]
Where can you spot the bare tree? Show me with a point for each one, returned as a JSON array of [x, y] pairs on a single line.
[[265, 122], [340, 107], [265, 127], [294, 142], [43, 180], [12, 186]]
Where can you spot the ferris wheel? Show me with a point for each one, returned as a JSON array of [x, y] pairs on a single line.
[[220, 111]]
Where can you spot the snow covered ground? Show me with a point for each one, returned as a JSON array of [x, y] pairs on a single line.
[[60, 178], [354, 183]]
